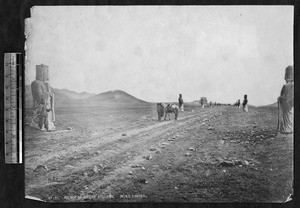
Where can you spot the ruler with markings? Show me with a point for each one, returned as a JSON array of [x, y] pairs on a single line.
[[13, 107]]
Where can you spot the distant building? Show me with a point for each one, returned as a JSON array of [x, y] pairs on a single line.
[[204, 100]]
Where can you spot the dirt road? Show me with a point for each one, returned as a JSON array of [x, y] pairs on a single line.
[[218, 154]]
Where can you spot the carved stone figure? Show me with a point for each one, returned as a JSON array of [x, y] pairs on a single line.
[[286, 103], [43, 100]]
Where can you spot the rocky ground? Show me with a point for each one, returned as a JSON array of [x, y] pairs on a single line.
[[218, 154]]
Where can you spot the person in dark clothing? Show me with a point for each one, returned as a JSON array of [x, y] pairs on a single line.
[[202, 103], [245, 104], [180, 101], [238, 103]]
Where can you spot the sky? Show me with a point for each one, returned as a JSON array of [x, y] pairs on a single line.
[[157, 52]]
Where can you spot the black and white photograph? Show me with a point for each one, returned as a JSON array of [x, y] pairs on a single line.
[[159, 104]]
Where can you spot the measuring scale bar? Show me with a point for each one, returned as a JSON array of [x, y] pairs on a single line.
[[13, 107]]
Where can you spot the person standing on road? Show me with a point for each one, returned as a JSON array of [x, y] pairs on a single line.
[[245, 104], [202, 103], [286, 103], [180, 101], [239, 104]]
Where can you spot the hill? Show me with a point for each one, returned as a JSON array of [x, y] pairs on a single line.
[[274, 105], [65, 97], [116, 96], [62, 96], [72, 94]]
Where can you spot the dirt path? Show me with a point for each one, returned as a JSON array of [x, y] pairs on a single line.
[[141, 159]]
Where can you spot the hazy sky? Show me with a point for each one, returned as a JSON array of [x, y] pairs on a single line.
[[156, 52]]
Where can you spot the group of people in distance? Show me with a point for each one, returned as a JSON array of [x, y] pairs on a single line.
[[244, 104], [285, 103]]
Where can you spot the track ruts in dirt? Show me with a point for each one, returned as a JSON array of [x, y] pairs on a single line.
[[168, 161]]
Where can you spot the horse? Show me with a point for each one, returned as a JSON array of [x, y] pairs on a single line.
[[167, 109]]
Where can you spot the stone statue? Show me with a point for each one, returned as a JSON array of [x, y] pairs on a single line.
[[43, 100], [286, 103]]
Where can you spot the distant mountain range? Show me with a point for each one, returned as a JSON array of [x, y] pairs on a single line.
[[72, 94], [115, 96], [65, 97]]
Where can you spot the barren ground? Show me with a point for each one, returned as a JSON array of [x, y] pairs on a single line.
[[218, 154]]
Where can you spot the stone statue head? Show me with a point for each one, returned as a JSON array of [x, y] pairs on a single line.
[[289, 74], [42, 72]]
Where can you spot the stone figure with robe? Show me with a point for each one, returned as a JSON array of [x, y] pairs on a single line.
[[286, 103], [43, 100]]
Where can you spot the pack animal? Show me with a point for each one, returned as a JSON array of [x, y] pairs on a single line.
[[167, 109]]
